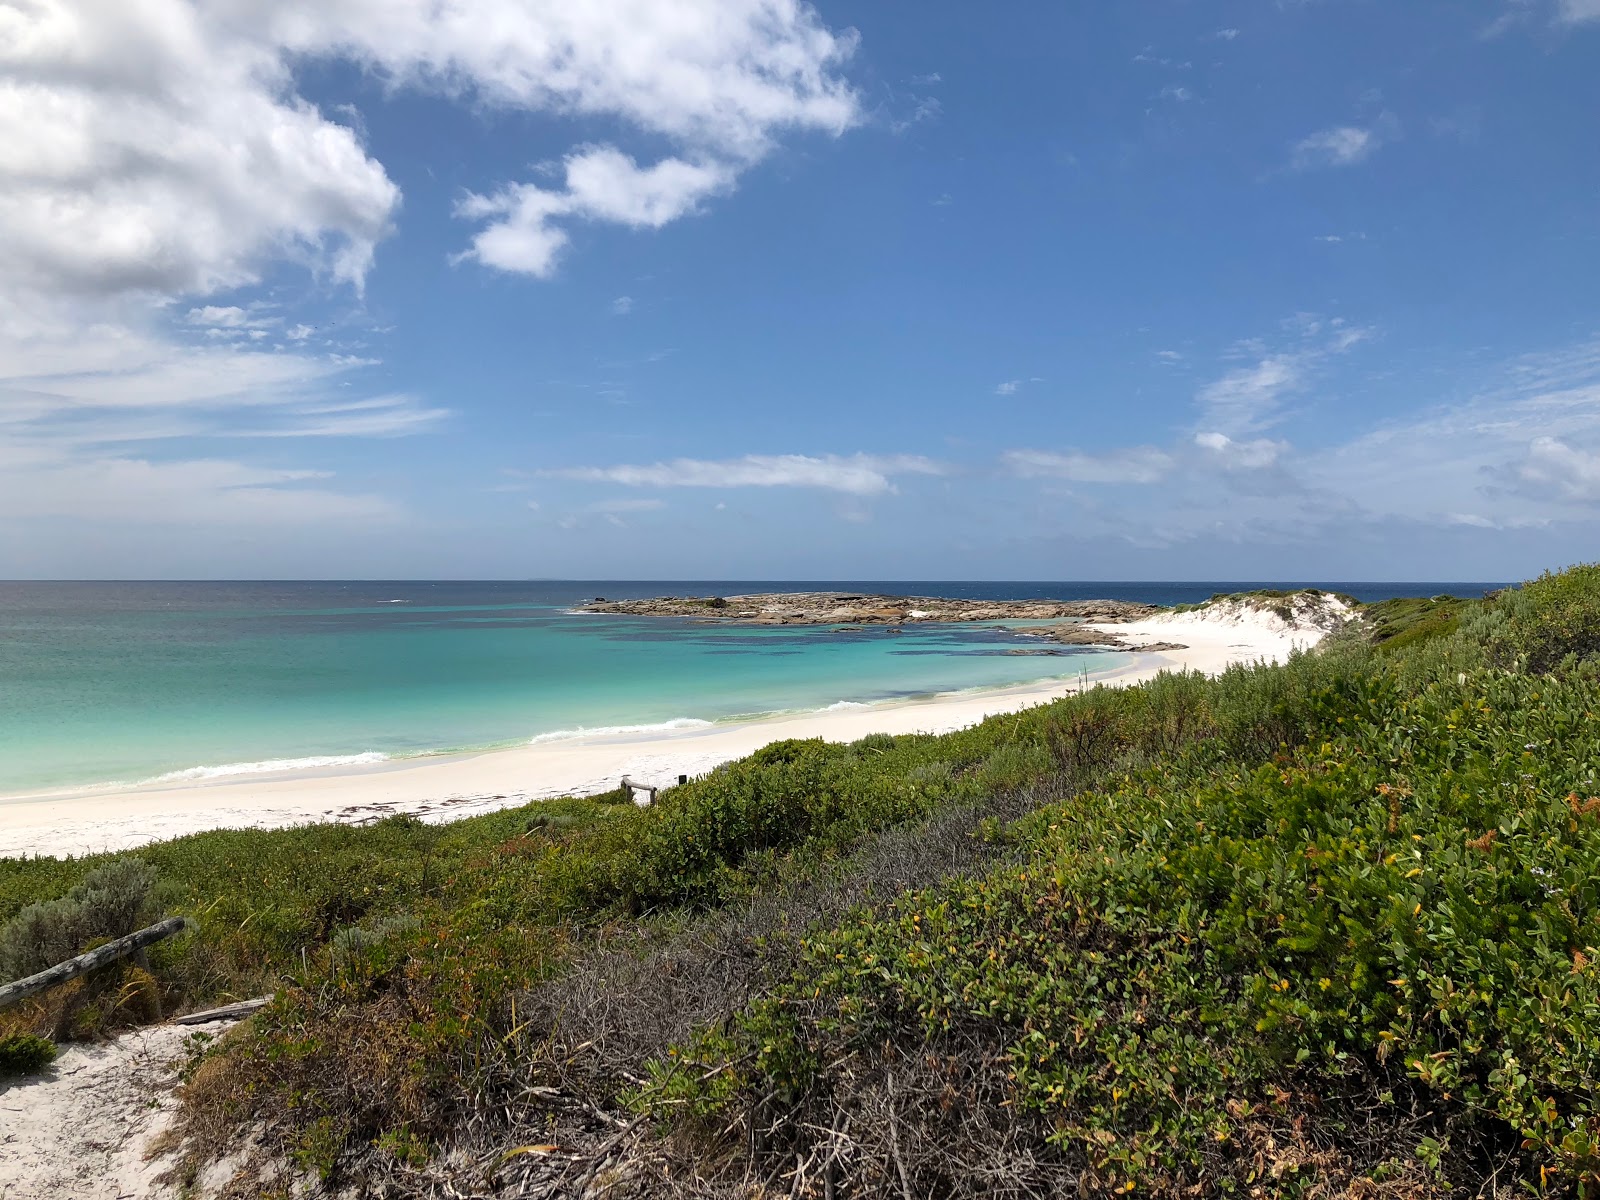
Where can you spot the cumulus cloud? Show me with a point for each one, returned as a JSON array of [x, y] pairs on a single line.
[[622, 306], [158, 158], [1574, 12], [145, 148], [1137, 464], [160, 146], [1555, 467], [719, 79], [856, 474], [1343, 146], [602, 184]]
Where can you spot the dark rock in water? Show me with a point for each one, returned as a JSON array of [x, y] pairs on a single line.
[[1042, 652]]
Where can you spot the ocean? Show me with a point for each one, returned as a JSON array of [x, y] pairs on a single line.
[[122, 683]]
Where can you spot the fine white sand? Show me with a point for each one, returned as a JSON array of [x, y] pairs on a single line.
[[445, 787]]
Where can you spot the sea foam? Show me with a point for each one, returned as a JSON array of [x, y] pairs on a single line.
[[270, 765], [672, 726]]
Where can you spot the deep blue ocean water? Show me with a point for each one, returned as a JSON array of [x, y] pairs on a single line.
[[128, 682]]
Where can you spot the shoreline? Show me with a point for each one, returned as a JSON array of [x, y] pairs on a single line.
[[445, 787]]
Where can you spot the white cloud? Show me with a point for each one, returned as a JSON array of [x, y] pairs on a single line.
[[622, 306], [927, 80], [1012, 386], [1176, 92], [145, 147], [1575, 12], [126, 490], [1248, 398], [856, 474], [1564, 470], [157, 158], [1137, 464], [602, 184], [1340, 147], [1225, 35], [722, 75], [924, 108], [160, 146], [1253, 455]]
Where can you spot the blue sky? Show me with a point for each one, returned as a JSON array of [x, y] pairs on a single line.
[[751, 288]]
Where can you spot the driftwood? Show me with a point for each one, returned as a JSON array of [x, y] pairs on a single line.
[[11, 993], [228, 1012]]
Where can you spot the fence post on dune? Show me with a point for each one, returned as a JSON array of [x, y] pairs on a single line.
[[647, 789]]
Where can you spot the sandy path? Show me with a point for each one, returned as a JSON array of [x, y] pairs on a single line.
[[446, 787], [81, 1127]]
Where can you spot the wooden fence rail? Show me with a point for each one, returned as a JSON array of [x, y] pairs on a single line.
[[134, 943]]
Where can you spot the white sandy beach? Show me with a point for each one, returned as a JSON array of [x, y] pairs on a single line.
[[445, 787]]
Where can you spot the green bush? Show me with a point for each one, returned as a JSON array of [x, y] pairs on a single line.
[[24, 1054], [1545, 621], [111, 901], [1405, 906]]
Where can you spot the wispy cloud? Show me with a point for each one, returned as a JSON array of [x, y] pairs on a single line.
[[1249, 399], [1012, 386], [856, 474], [1225, 35], [622, 306], [1254, 455], [923, 108], [1573, 12], [1137, 464], [1343, 146]]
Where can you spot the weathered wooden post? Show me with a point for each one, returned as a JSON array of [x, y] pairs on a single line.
[[134, 943], [646, 788]]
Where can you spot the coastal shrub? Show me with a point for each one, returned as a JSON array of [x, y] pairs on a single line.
[[1370, 958], [1012, 766], [111, 901], [1548, 619], [24, 1054]]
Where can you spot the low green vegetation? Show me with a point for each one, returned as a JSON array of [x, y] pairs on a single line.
[[1325, 928], [24, 1054], [1396, 624]]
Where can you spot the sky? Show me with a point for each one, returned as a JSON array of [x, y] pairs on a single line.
[[744, 289]]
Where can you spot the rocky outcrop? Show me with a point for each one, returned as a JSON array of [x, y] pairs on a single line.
[[1087, 635], [853, 608]]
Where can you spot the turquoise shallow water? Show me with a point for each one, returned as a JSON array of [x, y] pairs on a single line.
[[127, 683]]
